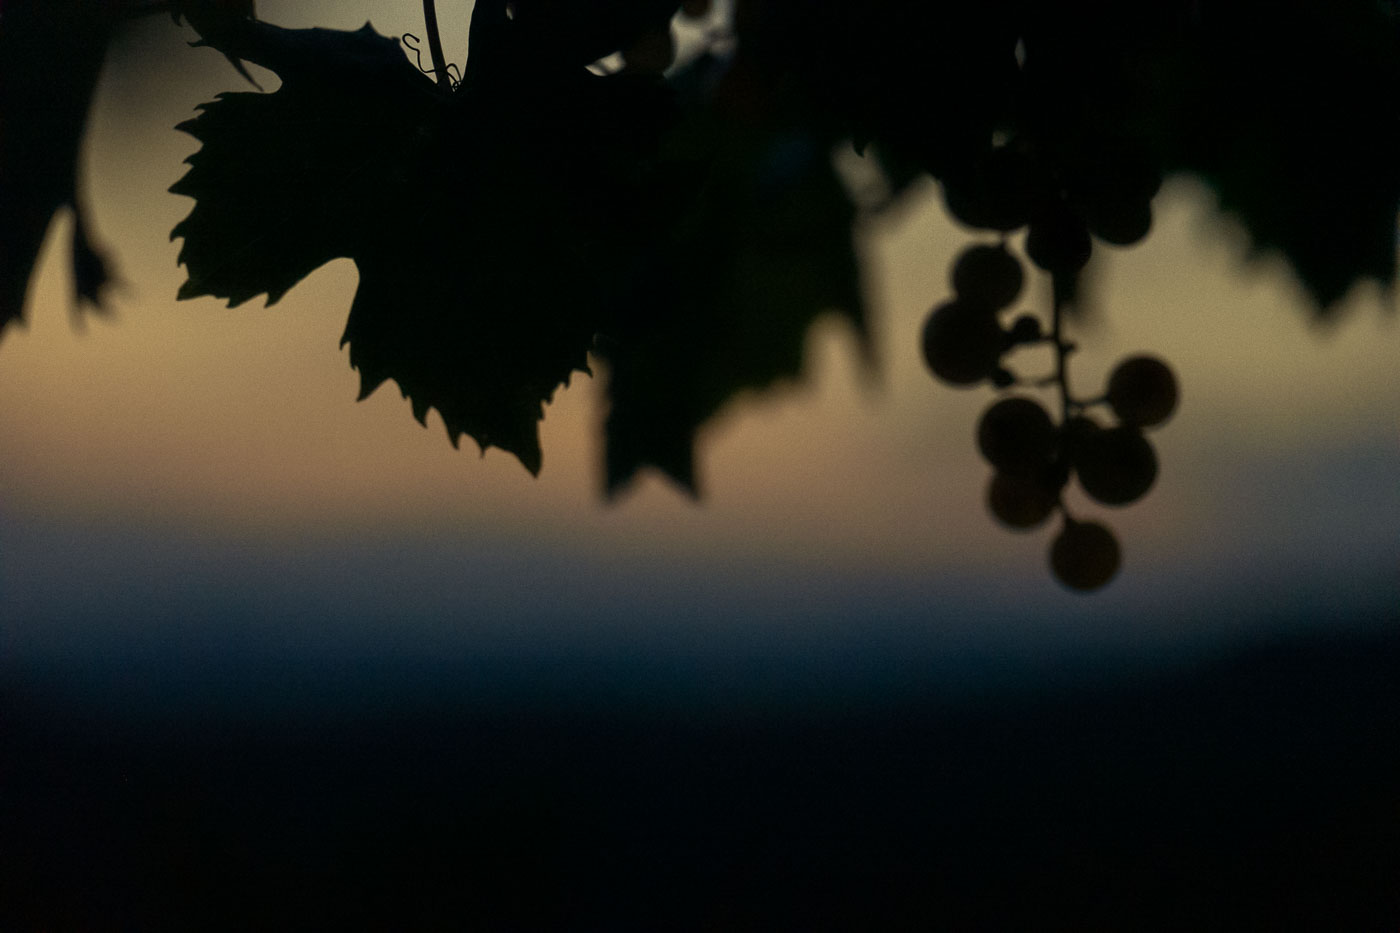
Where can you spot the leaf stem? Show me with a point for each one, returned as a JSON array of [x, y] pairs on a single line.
[[435, 45]]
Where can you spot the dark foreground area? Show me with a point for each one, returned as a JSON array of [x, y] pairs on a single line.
[[1255, 792]]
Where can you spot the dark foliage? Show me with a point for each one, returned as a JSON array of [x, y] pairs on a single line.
[[43, 109], [686, 229], [500, 227]]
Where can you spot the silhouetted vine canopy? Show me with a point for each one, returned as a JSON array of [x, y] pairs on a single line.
[[685, 226]]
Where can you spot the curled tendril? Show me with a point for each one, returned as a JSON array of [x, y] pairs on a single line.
[[410, 42]]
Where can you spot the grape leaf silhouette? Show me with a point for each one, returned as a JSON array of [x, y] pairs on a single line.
[[484, 241], [211, 17]]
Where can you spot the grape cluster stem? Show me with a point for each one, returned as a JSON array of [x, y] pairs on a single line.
[[1061, 288]]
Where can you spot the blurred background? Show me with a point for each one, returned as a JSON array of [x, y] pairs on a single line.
[[200, 529]]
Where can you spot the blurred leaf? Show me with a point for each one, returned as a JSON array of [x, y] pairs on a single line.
[[761, 248], [1287, 109], [571, 33], [1292, 115], [44, 103]]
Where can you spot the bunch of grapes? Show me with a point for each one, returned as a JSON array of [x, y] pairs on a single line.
[[1063, 190], [1033, 455]]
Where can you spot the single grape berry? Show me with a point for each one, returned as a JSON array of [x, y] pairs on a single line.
[[1021, 501], [1111, 169], [1121, 222], [1084, 555], [1142, 391], [1026, 329], [1058, 241], [1115, 466], [962, 342], [1016, 435], [1055, 475], [989, 275], [1113, 183], [994, 193], [1078, 427]]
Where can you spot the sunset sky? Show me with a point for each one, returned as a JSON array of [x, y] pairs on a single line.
[[183, 480]]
